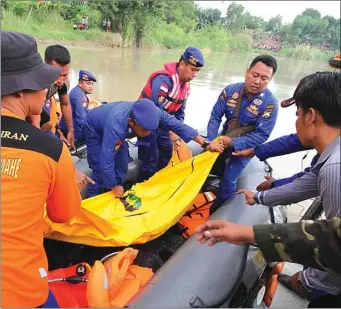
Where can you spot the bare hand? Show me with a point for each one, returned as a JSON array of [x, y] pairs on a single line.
[[71, 139], [247, 153], [215, 147], [248, 196], [176, 144], [64, 139], [225, 140], [266, 185], [221, 230], [118, 191], [82, 180]]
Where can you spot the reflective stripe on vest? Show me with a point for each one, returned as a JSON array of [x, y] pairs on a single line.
[[174, 99]]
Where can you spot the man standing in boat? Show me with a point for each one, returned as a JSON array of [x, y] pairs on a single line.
[[169, 89], [80, 105], [57, 56], [251, 111]]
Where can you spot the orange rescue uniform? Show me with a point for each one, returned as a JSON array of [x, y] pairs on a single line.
[[36, 169]]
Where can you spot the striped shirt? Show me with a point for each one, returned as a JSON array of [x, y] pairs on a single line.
[[324, 181]]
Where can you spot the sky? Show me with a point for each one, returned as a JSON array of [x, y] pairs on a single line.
[[288, 9]]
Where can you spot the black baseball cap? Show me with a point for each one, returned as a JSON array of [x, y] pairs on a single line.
[[22, 67], [304, 80]]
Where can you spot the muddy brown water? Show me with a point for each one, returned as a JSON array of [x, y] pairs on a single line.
[[122, 73]]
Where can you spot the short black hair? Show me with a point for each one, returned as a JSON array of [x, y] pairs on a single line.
[[323, 94], [57, 53], [267, 60]]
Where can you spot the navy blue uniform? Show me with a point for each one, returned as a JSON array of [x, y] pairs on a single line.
[[282, 146], [261, 111], [80, 108], [106, 130]]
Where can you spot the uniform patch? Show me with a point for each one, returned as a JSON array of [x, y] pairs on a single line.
[[84, 102], [267, 114], [231, 103], [235, 95], [118, 145], [223, 95], [161, 96], [258, 101], [253, 109], [270, 106]]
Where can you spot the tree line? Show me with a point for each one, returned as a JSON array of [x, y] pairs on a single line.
[[138, 19]]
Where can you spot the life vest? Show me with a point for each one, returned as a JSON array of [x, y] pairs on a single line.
[[114, 282], [176, 97], [70, 295], [197, 214]]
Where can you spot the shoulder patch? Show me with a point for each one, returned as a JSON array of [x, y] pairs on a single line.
[[118, 145], [235, 95], [267, 114]]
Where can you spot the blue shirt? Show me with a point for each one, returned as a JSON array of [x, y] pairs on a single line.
[[110, 122], [261, 111], [80, 108]]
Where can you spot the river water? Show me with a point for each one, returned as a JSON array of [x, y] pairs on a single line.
[[122, 73]]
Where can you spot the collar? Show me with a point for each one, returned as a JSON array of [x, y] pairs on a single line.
[[335, 144], [9, 114]]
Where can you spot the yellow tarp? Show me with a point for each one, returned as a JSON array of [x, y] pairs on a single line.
[[164, 198]]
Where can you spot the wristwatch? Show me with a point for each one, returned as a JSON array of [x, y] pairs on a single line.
[[206, 143]]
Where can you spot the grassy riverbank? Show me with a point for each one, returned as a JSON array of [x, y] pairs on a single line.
[[162, 35]]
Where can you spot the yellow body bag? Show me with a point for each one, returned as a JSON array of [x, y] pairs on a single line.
[[145, 212]]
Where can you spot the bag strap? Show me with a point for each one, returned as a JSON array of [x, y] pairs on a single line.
[[234, 122]]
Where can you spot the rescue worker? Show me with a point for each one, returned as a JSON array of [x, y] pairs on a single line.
[[79, 105], [57, 56], [247, 104], [318, 126], [36, 169], [106, 130], [169, 89], [315, 244], [281, 146]]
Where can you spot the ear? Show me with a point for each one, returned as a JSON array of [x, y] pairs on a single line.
[[246, 71], [311, 116]]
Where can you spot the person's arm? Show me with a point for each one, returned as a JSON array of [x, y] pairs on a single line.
[[280, 146], [283, 181], [110, 146], [300, 189], [64, 200], [317, 245], [263, 127], [314, 244], [79, 114], [217, 113], [66, 110], [161, 86]]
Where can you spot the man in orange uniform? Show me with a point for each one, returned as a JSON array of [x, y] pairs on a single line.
[[36, 169]]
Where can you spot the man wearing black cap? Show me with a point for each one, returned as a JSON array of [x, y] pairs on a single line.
[[168, 89], [36, 170], [79, 104], [106, 129], [318, 126]]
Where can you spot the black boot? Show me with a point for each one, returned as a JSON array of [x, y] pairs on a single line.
[[293, 284]]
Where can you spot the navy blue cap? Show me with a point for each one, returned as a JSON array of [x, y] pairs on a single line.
[[146, 114], [87, 76], [194, 56]]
